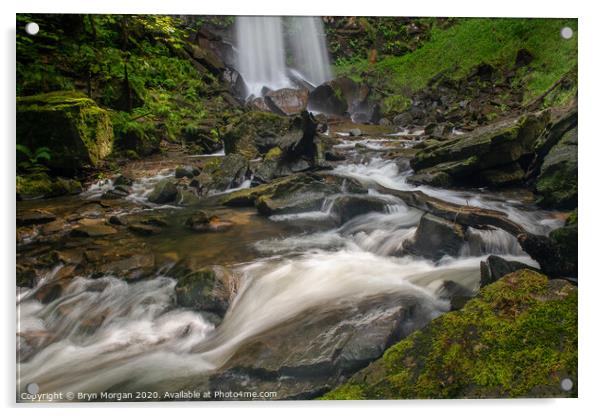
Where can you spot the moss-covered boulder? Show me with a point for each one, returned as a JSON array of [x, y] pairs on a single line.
[[77, 131], [255, 133], [208, 289], [557, 181], [41, 185], [517, 338], [490, 155]]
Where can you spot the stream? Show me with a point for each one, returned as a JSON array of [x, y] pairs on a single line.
[[300, 278]]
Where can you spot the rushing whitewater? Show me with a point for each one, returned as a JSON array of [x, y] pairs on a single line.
[[261, 57], [106, 334], [309, 49]]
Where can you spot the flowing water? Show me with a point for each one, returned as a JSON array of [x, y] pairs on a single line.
[[262, 51], [309, 50], [261, 58], [106, 334]]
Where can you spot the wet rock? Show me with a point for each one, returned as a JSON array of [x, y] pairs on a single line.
[[557, 181], [144, 229], [117, 220], [403, 119], [119, 191], [186, 197], [186, 172], [496, 267], [209, 289], [236, 82], [53, 227], [287, 101], [302, 357], [35, 216], [123, 180], [384, 122], [355, 132], [347, 207], [501, 319], [133, 266], [556, 254], [204, 222], [487, 154], [93, 230], [334, 156], [230, 173], [438, 179], [338, 97], [434, 238], [165, 191], [457, 294]]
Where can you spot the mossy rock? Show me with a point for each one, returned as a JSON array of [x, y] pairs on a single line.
[[557, 181], [250, 134], [77, 132], [517, 338], [41, 185], [487, 155], [207, 289]]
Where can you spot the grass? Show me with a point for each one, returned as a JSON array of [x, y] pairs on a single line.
[[457, 50]]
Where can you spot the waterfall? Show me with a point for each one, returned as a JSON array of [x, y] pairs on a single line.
[[309, 50], [261, 57], [262, 51]]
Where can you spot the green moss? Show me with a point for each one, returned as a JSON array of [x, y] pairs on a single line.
[[273, 154], [37, 185], [517, 338], [76, 131], [572, 218], [395, 104], [457, 50]]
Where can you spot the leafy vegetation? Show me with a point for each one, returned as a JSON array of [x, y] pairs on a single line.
[[455, 51], [133, 65]]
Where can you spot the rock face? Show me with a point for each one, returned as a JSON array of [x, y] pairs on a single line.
[[347, 207], [77, 132], [435, 237], [493, 155], [337, 341], [343, 96], [486, 349], [496, 267], [208, 289], [557, 181], [287, 101], [557, 253]]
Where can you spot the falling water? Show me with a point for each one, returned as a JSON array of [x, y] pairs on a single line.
[[309, 50], [261, 58]]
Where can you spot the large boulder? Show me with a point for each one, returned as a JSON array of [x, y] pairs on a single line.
[[346, 207], [229, 173], [556, 253], [434, 238], [517, 338], [287, 101], [557, 181], [254, 133], [165, 191], [207, 289], [302, 357], [292, 194], [41, 185], [491, 155], [77, 132]]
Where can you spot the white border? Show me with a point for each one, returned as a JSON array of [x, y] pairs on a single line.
[[590, 160]]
